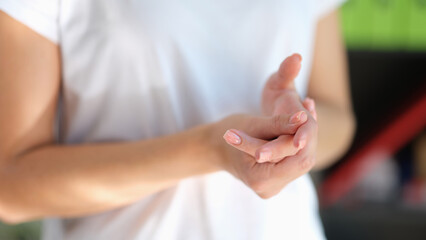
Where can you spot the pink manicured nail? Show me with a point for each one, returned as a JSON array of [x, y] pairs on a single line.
[[264, 156], [298, 117], [302, 143], [311, 104], [298, 57], [232, 138]]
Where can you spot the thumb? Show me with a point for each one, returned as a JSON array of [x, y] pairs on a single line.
[[288, 71], [242, 141]]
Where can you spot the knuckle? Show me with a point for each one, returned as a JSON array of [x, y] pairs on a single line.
[[264, 195], [279, 123], [259, 186], [307, 163], [268, 195], [263, 190], [276, 122]]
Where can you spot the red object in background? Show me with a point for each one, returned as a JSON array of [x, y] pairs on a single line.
[[383, 145]]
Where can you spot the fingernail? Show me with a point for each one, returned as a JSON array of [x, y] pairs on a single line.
[[232, 138], [311, 105], [298, 56], [303, 117], [302, 143], [298, 117], [264, 156]]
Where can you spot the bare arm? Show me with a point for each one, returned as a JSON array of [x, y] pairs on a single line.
[[39, 178], [329, 87]]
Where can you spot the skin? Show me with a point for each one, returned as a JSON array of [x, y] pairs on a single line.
[[332, 109], [40, 178], [329, 86], [280, 97]]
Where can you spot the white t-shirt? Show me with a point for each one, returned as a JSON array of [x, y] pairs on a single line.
[[140, 69]]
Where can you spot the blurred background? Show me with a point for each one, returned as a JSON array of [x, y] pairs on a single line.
[[378, 189]]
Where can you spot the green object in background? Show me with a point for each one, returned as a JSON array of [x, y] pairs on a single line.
[[417, 24], [356, 23], [400, 22], [385, 24], [24, 231]]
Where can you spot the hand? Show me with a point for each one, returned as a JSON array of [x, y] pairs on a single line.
[[238, 152], [291, 154], [279, 93], [279, 97]]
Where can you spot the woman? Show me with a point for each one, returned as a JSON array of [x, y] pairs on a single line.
[[112, 115]]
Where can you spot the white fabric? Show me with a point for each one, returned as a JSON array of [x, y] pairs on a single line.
[[39, 15], [140, 69]]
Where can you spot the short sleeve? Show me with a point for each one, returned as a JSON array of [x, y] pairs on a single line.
[[323, 7], [42, 16]]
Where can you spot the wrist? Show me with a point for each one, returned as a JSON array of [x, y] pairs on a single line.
[[214, 145]]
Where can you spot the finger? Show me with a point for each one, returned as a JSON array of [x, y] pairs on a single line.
[[305, 132], [309, 104], [272, 127], [295, 166], [289, 102], [242, 141], [276, 150], [286, 170], [287, 72]]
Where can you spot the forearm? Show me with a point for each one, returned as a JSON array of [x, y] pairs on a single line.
[[64, 180], [336, 128]]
